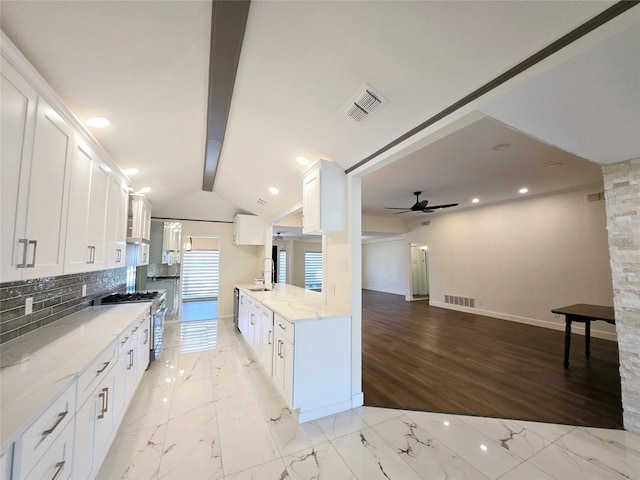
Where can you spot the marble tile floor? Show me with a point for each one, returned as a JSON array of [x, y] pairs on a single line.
[[206, 410]]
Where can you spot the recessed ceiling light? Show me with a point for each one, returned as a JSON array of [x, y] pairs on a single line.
[[302, 161], [131, 171], [502, 146], [144, 190], [274, 190], [475, 200], [98, 122], [523, 190], [483, 447]]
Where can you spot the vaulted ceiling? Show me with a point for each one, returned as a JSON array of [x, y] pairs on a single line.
[[145, 66]]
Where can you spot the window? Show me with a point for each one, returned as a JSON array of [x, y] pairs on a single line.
[[282, 266], [200, 274], [313, 270]]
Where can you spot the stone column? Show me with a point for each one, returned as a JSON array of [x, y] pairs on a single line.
[[622, 193]]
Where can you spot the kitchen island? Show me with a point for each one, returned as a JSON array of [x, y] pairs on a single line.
[[303, 345]]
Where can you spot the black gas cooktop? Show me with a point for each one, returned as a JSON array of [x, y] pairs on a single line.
[[130, 297]]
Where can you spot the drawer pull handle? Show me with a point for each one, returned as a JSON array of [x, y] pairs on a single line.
[[59, 468], [146, 335], [282, 327], [104, 367], [269, 337], [124, 341], [60, 418], [134, 330], [101, 395]]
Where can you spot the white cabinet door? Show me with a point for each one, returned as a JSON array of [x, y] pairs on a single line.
[[116, 233], [142, 348], [311, 202], [266, 339], [39, 225], [18, 104], [86, 230], [283, 366], [97, 221]]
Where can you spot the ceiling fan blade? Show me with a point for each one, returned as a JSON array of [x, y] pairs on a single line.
[[406, 211], [433, 207], [428, 210], [396, 208]]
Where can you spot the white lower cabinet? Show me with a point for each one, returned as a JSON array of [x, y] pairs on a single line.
[[266, 339], [57, 462], [72, 437], [283, 360], [94, 427], [309, 361]]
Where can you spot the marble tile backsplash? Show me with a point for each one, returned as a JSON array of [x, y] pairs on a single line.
[[53, 298]]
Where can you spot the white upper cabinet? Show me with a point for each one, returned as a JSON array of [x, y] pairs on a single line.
[[55, 188], [248, 230], [116, 237], [324, 196], [35, 166], [86, 228], [18, 107], [139, 224]]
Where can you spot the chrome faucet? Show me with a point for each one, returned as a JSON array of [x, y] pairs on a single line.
[[272, 276]]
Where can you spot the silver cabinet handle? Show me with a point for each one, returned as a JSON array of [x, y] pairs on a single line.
[[60, 418], [269, 337], [33, 259], [102, 409], [104, 367], [124, 341], [59, 468], [280, 348], [25, 242], [106, 401], [146, 335], [130, 360], [282, 327]]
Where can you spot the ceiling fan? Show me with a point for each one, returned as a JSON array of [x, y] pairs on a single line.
[[420, 206]]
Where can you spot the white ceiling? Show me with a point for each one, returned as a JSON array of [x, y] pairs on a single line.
[[145, 65]]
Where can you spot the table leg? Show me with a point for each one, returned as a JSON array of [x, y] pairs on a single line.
[[587, 338], [567, 341]]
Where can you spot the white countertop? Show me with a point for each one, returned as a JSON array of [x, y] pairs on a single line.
[[293, 303], [36, 368]]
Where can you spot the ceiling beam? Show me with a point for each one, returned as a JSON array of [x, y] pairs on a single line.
[[228, 22]]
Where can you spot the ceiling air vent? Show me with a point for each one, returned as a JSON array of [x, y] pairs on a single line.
[[363, 104]]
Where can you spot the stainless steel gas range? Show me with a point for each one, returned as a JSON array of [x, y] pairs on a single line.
[[157, 312]]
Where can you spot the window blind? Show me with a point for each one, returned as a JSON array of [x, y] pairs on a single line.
[[313, 270], [282, 266], [200, 274]]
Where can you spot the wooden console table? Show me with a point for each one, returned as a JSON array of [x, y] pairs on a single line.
[[585, 313]]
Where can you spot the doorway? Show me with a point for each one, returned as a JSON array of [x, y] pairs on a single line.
[[419, 284], [200, 278]]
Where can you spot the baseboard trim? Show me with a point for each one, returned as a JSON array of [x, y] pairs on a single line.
[[314, 414], [575, 327], [357, 400]]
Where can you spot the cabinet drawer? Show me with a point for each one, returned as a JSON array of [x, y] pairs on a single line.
[[56, 462], [284, 327], [45, 431], [126, 337], [93, 375]]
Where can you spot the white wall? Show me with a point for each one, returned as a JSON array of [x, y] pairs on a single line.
[[519, 260], [385, 265]]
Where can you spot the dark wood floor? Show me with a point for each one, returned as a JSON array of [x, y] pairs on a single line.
[[419, 357]]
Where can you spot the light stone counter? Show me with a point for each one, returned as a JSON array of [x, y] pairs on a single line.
[[36, 368], [293, 303]]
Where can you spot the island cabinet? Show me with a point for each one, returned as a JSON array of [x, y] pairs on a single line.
[[304, 350], [324, 197]]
